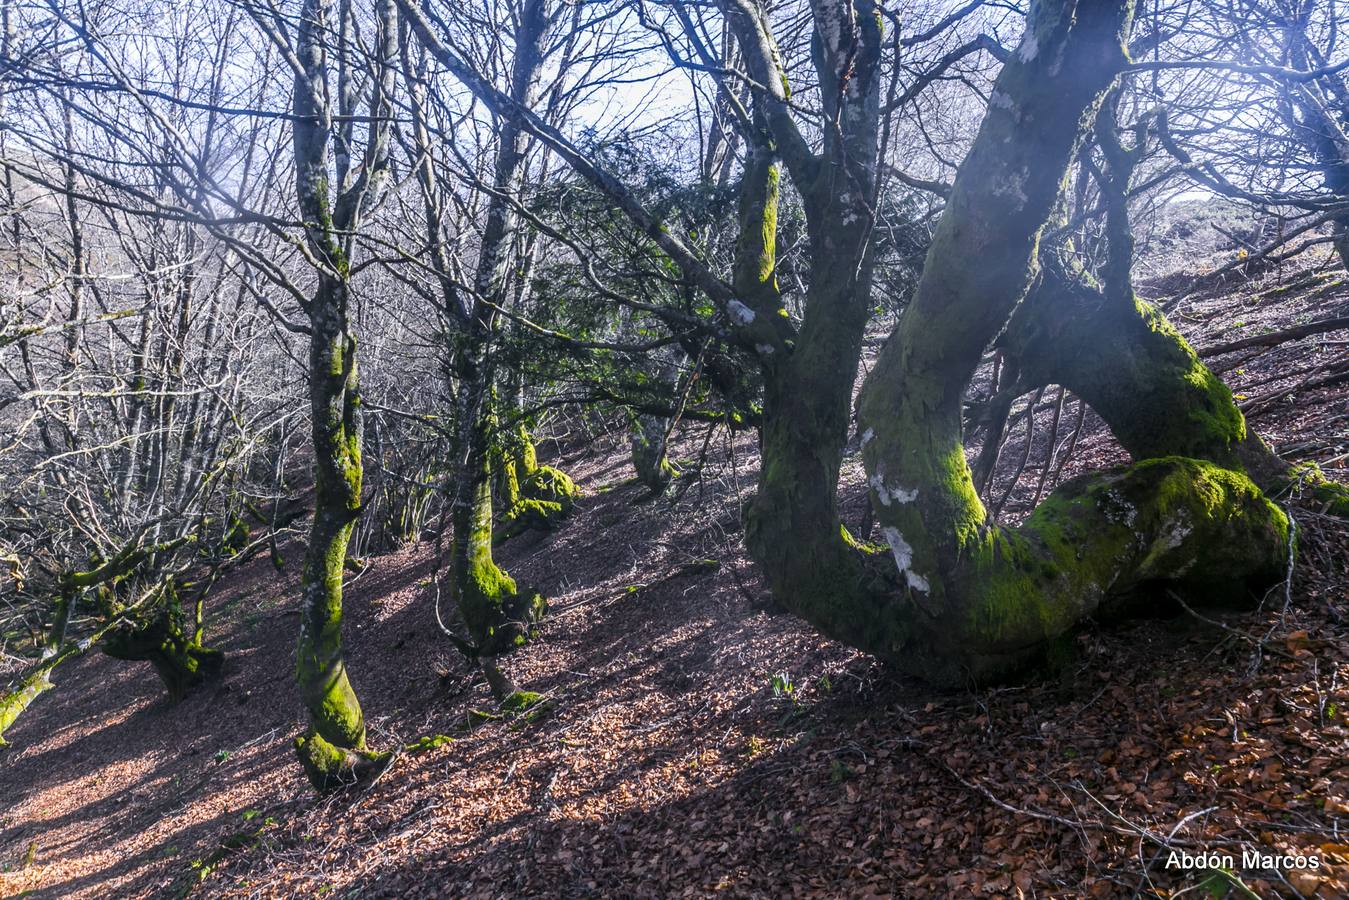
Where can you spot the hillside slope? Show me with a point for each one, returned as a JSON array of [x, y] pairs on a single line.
[[698, 742]]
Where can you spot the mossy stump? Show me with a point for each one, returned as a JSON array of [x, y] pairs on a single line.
[[546, 497]]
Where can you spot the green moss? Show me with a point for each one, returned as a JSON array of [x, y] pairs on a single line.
[[337, 714], [1306, 482], [550, 484], [478, 717], [429, 742], [1098, 543], [526, 457], [520, 701], [546, 498], [13, 704], [1214, 418], [754, 277]]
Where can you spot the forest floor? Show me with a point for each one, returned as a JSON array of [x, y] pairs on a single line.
[[697, 742]]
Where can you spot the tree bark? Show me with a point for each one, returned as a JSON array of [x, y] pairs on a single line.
[[333, 750]]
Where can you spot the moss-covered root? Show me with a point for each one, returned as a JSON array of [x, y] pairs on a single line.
[[546, 498], [649, 461], [1100, 545], [1307, 484], [330, 767], [13, 704]]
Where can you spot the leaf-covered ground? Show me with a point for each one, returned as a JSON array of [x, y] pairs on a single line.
[[694, 741]]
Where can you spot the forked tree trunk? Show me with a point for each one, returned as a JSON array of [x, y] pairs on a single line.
[[37, 680], [333, 749], [976, 598], [793, 530], [950, 595]]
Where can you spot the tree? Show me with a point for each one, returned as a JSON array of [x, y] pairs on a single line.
[[132, 392], [334, 750], [499, 615]]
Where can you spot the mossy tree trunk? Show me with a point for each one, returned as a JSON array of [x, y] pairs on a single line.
[[498, 615], [150, 628], [1125, 360], [181, 663], [977, 598], [793, 527], [649, 430], [24, 692], [515, 460], [333, 749]]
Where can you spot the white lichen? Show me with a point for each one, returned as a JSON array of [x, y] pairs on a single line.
[[891, 493], [1118, 510], [904, 559], [899, 547], [1013, 186], [1000, 100], [1029, 47], [740, 313], [868, 436], [1176, 532], [764, 349]]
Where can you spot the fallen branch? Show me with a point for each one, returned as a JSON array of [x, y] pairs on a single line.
[[1276, 337]]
